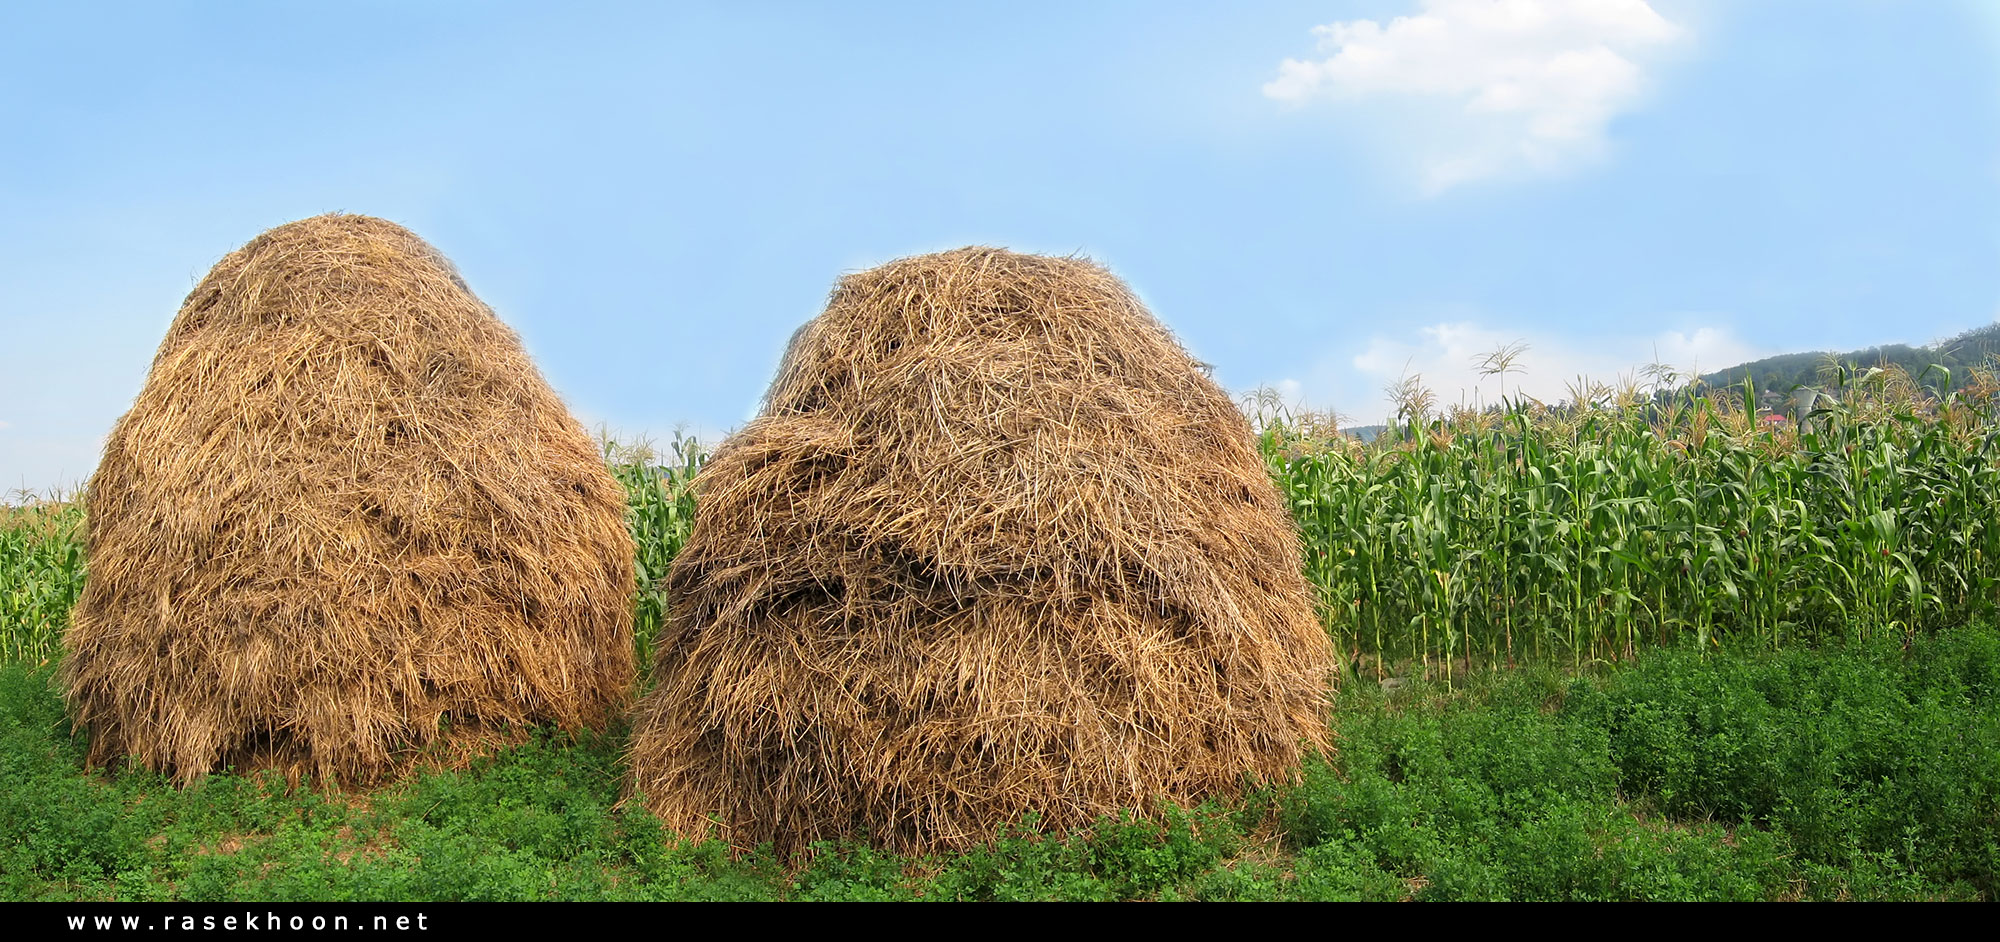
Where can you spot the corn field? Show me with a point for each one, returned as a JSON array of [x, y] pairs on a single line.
[[660, 495], [1568, 534], [41, 572], [1585, 533]]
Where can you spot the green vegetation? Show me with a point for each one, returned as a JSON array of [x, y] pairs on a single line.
[[1863, 772], [659, 490], [1750, 662], [41, 572], [1581, 534], [1947, 364]]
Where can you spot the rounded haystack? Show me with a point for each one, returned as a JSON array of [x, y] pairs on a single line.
[[995, 545], [345, 519]]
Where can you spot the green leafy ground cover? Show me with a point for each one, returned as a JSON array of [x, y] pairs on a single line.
[[1864, 771]]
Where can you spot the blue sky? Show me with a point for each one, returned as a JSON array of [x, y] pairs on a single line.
[[1317, 197]]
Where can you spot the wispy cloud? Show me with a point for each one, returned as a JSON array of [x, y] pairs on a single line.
[[1446, 356], [1521, 85]]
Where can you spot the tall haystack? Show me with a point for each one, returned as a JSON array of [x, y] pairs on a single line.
[[345, 519], [995, 545]]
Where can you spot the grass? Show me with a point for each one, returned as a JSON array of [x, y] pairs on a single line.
[[1866, 770]]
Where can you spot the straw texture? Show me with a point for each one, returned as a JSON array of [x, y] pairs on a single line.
[[995, 545], [344, 520]]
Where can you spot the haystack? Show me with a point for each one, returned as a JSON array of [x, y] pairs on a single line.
[[995, 545], [345, 519]]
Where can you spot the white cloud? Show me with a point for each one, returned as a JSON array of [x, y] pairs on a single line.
[[1444, 355], [4, 426], [1519, 85]]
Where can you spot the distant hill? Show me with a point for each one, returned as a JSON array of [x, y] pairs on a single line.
[[1958, 354]]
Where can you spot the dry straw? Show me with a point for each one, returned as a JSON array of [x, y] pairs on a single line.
[[996, 545], [345, 519]]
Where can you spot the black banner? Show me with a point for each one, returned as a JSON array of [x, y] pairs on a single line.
[[276, 920]]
